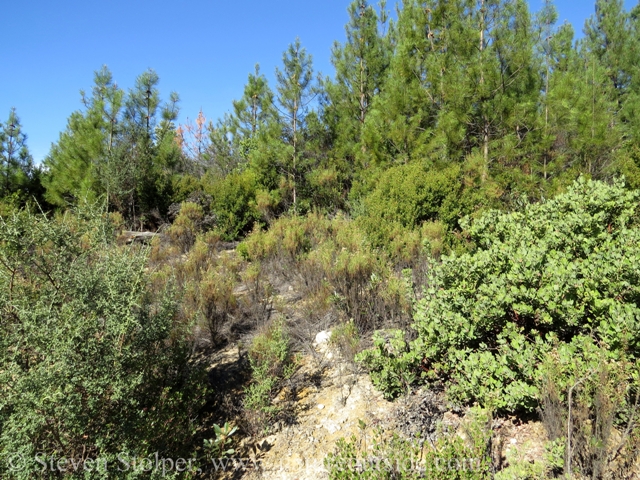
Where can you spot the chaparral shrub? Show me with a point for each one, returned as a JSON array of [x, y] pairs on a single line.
[[539, 277], [93, 362]]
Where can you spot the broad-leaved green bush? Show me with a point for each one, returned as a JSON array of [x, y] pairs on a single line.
[[554, 271], [390, 362]]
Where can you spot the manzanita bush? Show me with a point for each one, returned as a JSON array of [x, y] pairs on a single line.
[[561, 272]]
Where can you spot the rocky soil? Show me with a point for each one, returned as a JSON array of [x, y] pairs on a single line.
[[331, 398], [333, 407]]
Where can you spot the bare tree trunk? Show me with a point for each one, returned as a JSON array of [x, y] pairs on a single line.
[[295, 154], [363, 105], [254, 115], [485, 127]]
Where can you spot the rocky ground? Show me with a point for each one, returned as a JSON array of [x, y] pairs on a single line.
[[331, 398], [338, 403]]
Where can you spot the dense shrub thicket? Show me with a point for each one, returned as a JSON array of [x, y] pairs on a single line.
[[337, 268], [380, 197], [94, 362], [557, 277]]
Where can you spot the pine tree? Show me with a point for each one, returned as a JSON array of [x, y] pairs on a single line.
[[400, 121], [224, 153], [16, 163], [295, 93], [463, 81], [148, 146], [504, 84], [122, 147], [361, 64], [608, 38], [547, 18], [193, 140], [631, 108], [83, 164], [234, 138], [598, 133], [254, 109], [613, 37]]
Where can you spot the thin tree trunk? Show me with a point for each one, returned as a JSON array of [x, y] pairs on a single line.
[[363, 106], [254, 115], [295, 154], [593, 113], [485, 127], [546, 114]]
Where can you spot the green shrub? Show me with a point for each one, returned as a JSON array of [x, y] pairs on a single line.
[[327, 189], [333, 255], [407, 195], [234, 203], [270, 350], [551, 272], [93, 359], [216, 300], [590, 401], [184, 186], [392, 456], [390, 362], [271, 362], [186, 226], [346, 338]]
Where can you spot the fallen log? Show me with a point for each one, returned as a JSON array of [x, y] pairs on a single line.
[[139, 237]]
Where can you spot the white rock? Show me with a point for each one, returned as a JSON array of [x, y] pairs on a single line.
[[322, 337], [320, 406], [332, 427]]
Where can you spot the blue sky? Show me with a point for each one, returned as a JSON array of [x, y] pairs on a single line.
[[201, 49]]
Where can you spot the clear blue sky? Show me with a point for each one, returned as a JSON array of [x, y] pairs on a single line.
[[201, 49]]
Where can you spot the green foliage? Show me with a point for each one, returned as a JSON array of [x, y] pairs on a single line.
[[407, 195], [389, 455], [184, 229], [456, 108], [522, 469], [271, 362], [590, 408], [334, 257], [215, 297], [255, 108], [218, 447], [270, 351], [389, 362], [234, 203], [295, 92], [205, 281], [16, 164], [93, 361], [346, 338], [551, 272], [361, 64], [121, 147]]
